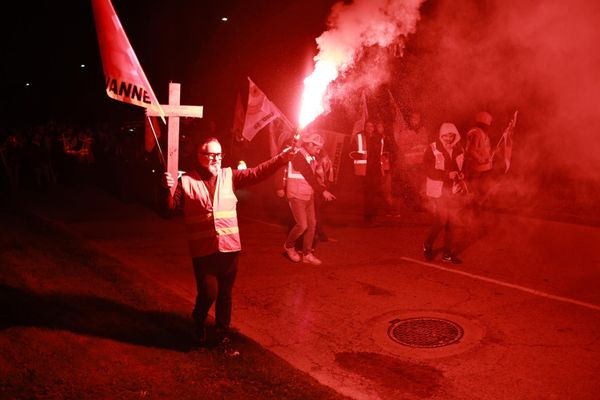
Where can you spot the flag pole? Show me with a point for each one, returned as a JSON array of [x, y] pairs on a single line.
[[160, 153], [511, 125]]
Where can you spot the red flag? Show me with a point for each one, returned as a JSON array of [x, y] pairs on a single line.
[[124, 77]]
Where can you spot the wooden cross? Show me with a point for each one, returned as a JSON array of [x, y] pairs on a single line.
[[174, 111]]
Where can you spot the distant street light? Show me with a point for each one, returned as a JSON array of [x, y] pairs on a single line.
[[82, 65], [224, 19]]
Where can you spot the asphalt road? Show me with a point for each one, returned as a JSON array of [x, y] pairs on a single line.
[[520, 319]]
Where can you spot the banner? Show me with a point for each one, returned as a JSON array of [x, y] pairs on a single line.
[[507, 141], [259, 113], [124, 78], [399, 124], [363, 115]]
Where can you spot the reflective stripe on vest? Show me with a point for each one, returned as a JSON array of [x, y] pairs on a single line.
[[297, 186], [219, 231], [212, 226], [361, 144]]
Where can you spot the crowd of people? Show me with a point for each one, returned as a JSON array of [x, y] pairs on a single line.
[[447, 174], [112, 156], [409, 159], [116, 157]]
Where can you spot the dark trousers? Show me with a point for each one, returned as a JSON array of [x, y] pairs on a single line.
[[215, 275], [377, 195], [479, 186], [445, 218]]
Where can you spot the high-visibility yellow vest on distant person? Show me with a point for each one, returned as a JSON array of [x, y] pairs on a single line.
[[212, 225], [360, 155], [433, 188], [296, 186]]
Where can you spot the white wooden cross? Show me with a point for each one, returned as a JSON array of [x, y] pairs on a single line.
[[174, 111]]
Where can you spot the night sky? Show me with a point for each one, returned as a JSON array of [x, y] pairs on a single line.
[[179, 41]]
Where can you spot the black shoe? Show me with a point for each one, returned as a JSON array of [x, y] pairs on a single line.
[[451, 259], [428, 252]]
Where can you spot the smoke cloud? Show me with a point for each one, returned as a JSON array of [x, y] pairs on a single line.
[[361, 38], [537, 57], [450, 59]]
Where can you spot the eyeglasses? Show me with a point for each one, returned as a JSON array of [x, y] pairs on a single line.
[[213, 156]]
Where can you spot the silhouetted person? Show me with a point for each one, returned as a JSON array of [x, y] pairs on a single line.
[[478, 159], [411, 140], [380, 153]]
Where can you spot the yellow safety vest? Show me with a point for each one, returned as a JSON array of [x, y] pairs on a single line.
[[297, 186], [433, 188], [360, 162], [212, 226]]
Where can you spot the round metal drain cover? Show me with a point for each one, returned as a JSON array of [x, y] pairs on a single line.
[[425, 332]]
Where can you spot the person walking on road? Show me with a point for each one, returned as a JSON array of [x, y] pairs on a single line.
[[302, 188], [443, 161], [206, 195]]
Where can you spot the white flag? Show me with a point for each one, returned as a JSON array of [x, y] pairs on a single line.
[[259, 113]]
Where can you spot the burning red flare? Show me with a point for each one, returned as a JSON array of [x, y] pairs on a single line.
[[315, 87]]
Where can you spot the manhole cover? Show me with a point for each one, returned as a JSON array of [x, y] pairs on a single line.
[[425, 332]]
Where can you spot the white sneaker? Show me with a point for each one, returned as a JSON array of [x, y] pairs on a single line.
[[292, 254], [310, 259]]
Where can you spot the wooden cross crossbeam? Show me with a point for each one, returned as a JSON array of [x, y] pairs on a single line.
[[174, 111]]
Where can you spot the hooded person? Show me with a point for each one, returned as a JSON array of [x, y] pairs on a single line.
[[443, 162]]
